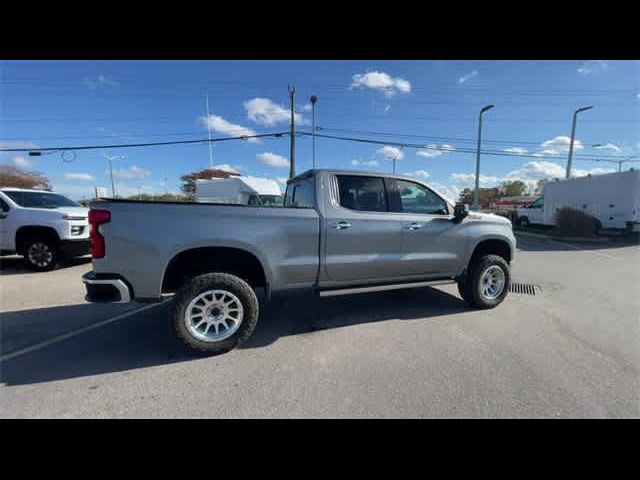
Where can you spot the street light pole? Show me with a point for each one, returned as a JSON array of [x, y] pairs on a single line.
[[573, 136], [113, 186], [396, 158], [476, 192], [313, 99]]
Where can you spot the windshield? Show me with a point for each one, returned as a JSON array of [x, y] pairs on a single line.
[[271, 200], [40, 199]]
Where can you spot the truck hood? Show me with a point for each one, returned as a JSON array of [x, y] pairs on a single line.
[[488, 217], [72, 211]]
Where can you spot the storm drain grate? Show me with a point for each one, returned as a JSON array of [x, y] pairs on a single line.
[[524, 288]]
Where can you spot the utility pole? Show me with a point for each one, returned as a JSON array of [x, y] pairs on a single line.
[[292, 154], [313, 99], [139, 192], [209, 133], [113, 186], [573, 136], [166, 190], [476, 192]]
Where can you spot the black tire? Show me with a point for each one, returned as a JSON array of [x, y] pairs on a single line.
[[523, 222], [215, 281], [473, 287], [463, 289], [41, 254]]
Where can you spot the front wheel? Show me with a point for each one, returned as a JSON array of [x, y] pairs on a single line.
[[214, 313], [523, 222], [487, 282], [41, 255]]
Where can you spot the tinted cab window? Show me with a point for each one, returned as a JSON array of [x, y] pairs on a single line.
[[364, 194]]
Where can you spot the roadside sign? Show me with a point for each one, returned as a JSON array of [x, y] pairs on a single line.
[[101, 192]]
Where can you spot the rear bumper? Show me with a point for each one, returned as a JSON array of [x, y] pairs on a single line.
[[106, 289], [75, 248]]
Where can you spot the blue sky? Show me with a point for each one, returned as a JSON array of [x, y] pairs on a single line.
[[68, 103]]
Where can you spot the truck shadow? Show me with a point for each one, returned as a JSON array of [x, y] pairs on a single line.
[[14, 265], [145, 339]]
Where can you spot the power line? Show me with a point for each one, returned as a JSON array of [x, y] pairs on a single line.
[[129, 145], [442, 149]]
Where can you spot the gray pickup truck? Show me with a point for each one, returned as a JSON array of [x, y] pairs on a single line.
[[338, 232]]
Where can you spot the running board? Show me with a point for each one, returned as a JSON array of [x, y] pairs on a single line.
[[381, 288]]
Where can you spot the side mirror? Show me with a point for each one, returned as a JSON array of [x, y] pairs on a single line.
[[460, 211]]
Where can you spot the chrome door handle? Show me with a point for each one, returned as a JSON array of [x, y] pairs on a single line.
[[341, 225], [414, 226]]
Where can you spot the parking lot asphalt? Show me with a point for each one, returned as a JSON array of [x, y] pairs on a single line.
[[569, 351]]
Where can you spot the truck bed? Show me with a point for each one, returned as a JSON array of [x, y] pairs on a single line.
[[143, 236]]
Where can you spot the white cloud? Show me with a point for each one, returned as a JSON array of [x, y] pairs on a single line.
[[467, 77], [434, 150], [593, 66], [306, 107], [610, 146], [265, 112], [21, 162], [386, 109], [537, 171], [450, 192], [579, 172], [469, 179], [558, 145], [391, 152], [100, 80], [226, 167], [272, 159], [418, 173], [282, 180], [381, 81], [218, 124], [366, 163], [516, 150], [130, 173], [78, 176]]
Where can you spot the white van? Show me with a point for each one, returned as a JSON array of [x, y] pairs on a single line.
[[239, 190], [613, 199]]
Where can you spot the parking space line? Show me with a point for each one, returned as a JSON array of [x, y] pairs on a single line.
[[75, 333], [575, 247]]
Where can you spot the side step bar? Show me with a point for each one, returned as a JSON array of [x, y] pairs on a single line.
[[381, 288]]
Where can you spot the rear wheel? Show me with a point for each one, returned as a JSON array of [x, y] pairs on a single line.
[[41, 254], [487, 282], [214, 313]]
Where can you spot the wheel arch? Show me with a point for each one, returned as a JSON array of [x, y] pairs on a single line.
[[26, 232], [194, 261]]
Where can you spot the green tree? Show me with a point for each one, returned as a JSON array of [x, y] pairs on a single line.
[[540, 186], [514, 188]]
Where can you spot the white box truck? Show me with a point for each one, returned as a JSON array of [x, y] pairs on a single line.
[[613, 199], [239, 190]]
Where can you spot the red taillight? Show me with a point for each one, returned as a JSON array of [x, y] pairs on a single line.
[[97, 218]]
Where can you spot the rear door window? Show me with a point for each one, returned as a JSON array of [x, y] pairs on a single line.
[[300, 194], [361, 193]]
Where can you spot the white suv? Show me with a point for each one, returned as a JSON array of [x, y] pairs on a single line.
[[42, 226]]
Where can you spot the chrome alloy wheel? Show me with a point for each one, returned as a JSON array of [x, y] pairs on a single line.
[[40, 254], [214, 315], [492, 282]]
